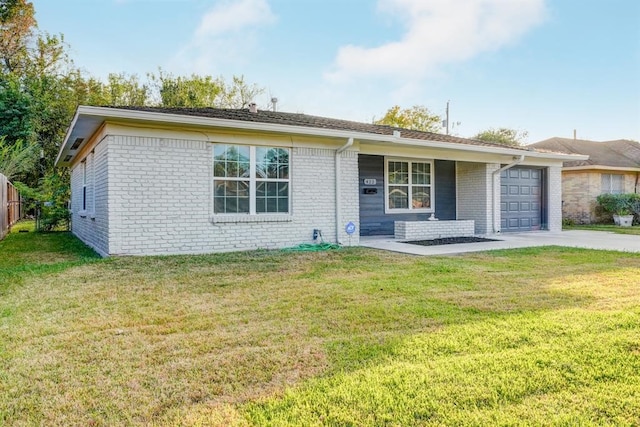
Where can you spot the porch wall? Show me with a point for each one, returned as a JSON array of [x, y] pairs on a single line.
[[554, 191], [476, 194]]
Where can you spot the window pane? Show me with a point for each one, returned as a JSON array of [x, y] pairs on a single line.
[[421, 173], [283, 204], [398, 173], [617, 184], [283, 189], [420, 197], [231, 196], [398, 197], [272, 197], [272, 163], [230, 160], [261, 189]]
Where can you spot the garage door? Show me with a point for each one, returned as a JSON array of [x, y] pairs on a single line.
[[521, 197]]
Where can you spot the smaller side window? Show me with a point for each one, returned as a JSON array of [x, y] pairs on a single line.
[[84, 185], [612, 183]]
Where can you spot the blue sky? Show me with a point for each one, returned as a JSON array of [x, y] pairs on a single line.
[[546, 67]]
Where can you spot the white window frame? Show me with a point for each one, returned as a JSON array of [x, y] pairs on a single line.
[[84, 186], [610, 183], [253, 181], [410, 209]]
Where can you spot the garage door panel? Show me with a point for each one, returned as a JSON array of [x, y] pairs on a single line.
[[520, 203]]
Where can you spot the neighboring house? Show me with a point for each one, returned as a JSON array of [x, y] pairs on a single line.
[[168, 180], [612, 167]]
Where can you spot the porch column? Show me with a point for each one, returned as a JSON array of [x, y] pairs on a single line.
[[477, 194]]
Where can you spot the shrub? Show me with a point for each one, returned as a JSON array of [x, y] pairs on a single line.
[[620, 204]]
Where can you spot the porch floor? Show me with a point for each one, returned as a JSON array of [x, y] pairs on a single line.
[[572, 238]]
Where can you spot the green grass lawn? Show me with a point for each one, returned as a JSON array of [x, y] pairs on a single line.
[[606, 227], [353, 337]]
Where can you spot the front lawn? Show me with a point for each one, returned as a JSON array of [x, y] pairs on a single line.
[[606, 227], [543, 336]]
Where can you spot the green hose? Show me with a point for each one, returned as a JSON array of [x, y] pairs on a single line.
[[312, 247]]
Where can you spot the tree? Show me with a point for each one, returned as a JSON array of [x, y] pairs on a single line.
[[17, 115], [417, 117], [16, 27], [202, 91], [17, 158], [504, 136]]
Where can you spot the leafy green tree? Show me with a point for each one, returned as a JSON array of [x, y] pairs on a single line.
[[16, 111], [202, 91], [417, 117], [504, 136], [17, 158], [17, 23]]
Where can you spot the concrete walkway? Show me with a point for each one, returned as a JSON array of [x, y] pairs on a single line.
[[577, 239]]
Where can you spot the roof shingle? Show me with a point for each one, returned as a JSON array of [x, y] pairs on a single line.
[[297, 119], [618, 153]]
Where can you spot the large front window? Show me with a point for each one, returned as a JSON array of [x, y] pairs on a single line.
[[251, 180], [409, 185]]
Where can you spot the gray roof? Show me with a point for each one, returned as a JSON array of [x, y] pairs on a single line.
[[618, 153], [297, 119]]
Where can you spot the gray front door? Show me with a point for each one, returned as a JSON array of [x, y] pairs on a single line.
[[521, 199]]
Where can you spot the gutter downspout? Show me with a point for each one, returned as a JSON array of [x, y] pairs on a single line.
[[496, 175], [338, 186]]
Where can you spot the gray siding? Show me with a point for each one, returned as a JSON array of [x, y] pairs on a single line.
[[373, 220]]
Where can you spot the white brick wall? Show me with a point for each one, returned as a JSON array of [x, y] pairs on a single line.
[[555, 198], [160, 200], [91, 225], [349, 199], [474, 189], [428, 230]]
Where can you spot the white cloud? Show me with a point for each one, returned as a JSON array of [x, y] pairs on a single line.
[[226, 35], [438, 32], [234, 16]]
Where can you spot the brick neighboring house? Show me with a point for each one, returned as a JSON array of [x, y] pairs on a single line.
[[612, 167], [169, 181]]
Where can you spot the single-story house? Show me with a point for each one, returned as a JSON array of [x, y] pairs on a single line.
[[147, 180], [612, 167]]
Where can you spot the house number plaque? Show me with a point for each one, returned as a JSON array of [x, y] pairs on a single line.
[[369, 181]]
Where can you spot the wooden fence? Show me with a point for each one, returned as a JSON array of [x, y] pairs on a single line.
[[10, 206]]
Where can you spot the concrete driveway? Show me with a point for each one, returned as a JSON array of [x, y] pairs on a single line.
[[578, 239]]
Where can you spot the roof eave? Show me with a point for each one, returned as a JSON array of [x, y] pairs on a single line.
[[158, 117], [602, 167]]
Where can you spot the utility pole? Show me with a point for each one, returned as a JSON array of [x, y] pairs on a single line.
[[447, 117]]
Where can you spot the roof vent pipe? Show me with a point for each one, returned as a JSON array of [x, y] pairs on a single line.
[[253, 107]]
